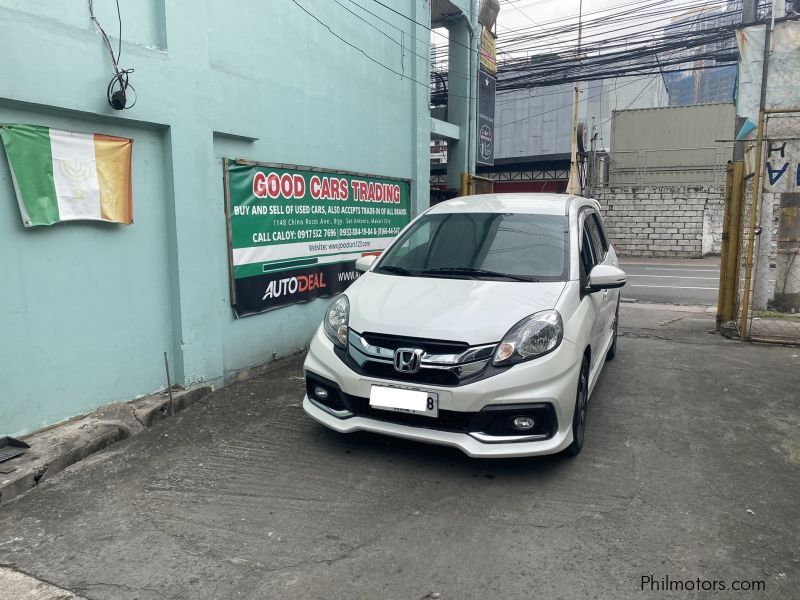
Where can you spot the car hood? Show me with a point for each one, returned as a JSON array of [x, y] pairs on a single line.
[[464, 310]]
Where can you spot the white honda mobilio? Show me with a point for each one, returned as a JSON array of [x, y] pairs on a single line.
[[483, 326]]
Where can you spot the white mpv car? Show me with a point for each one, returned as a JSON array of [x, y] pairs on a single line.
[[483, 326]]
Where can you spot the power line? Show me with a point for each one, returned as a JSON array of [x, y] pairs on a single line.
[[568, 105], [613, 114], [381, 31], [524, 14], [638, 59], [649, 7], [635, 53], [361, 50], [368, 56], [611, 31], [397, 12], [369, 12]]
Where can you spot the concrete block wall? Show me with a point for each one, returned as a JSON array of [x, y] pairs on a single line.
[[680, 221], [776, 276]]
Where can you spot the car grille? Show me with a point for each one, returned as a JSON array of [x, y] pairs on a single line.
[[446, 377], [393, 342], [372, 354]]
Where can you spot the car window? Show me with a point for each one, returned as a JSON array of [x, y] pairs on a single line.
[[590, 225], [587, 252], [517, 244], [414, 243], [598, 223]]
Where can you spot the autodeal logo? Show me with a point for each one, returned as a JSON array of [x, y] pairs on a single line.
[[298, 284]]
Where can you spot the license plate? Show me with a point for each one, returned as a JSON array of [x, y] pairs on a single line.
[[405, 400]]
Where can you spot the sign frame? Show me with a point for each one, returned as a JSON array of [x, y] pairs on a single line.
[[488, 52], [291, 167], [486, 121]]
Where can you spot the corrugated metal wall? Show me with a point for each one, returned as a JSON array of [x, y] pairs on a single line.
[[533, 122], [671, 145], [538, 122]]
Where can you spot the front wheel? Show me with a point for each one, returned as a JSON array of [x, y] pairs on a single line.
[[579, 416]]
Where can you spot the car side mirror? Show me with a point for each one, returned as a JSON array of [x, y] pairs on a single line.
[[364, 263], [606, 277]]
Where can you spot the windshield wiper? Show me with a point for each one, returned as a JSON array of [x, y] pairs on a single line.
[[394, 269], [476, 273]]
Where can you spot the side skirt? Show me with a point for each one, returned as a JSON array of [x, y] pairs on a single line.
[[600, 361]]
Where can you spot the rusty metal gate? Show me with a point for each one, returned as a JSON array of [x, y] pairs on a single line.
[[475, 184], [760, 266]]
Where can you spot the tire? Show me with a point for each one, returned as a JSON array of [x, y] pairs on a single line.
[[579, 414], [612, 352]]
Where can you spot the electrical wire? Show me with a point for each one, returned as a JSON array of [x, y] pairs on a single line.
[[385, 34], [397, 12], [562, 107], [635, 98], [589, 98], [116, 91], [523, 13], [426, 43], [381, 31], [359, 49], [620, 56]]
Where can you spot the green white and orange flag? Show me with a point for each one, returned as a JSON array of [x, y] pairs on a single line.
[[64, 176]]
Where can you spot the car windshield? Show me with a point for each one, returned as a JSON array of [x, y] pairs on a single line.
[[505, 247]]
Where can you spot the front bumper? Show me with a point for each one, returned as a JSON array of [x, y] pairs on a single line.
[[551, 379]]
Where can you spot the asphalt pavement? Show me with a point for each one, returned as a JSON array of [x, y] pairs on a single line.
[[672, 281], [689, 472]]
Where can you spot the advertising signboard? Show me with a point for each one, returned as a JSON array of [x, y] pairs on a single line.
[[486, 91], [488, 52], [294, 233]]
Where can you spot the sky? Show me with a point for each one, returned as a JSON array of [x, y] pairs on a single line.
[[522, 13], [540, 14]]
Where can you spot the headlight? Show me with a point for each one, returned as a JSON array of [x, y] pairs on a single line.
[[534, 336], [335, 321]]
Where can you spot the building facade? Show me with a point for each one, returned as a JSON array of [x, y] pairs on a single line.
[[533, 128], [87, 309], [700, 81]]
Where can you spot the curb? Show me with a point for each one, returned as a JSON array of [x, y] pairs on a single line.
[[55, 448], [21, 585]]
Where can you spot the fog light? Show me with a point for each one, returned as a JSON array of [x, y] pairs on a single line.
[[523, 423], [320, 392]]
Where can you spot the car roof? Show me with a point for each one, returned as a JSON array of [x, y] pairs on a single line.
[[536, 204]]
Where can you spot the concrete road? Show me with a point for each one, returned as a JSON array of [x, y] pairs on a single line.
[[675, 281], [690, 470]]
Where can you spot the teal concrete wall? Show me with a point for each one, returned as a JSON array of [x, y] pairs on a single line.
[[87, 309]]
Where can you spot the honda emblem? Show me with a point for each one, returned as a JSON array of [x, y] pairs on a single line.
[[407, 360]]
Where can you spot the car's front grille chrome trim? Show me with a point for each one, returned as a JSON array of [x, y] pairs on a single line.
[[340, 414], [504, 439], [430, 361]]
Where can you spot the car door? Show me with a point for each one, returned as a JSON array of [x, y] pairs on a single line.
[[596, 302], [608, 304]]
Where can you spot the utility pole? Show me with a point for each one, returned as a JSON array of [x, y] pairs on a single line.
[[734, 207], [574, 184], [754, 215]]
